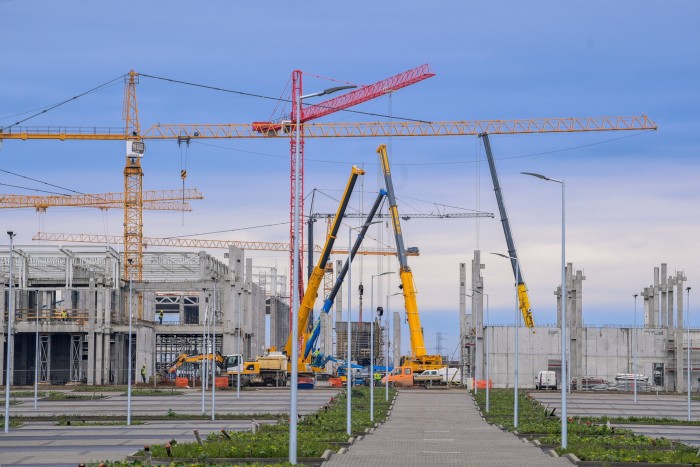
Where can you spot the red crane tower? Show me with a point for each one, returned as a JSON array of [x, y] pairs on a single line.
[[312, 112]]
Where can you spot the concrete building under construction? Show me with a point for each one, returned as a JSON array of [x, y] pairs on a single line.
[[71, 311], [659, 344]]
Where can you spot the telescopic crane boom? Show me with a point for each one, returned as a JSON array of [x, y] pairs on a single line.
[[523, 297], [328, 302], [419, 360], [316, 277]]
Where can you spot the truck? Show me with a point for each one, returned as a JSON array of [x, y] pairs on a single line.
[[546, 380], [404, 376]]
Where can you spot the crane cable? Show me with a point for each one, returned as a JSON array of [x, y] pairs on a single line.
[[183, 168]]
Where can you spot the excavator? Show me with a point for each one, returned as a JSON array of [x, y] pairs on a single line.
[[419, 360], [315, 280], [198, 359]]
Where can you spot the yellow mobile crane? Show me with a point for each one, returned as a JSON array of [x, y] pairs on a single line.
[[315, 280], [419, 360]]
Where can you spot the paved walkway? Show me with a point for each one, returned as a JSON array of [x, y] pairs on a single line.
[[437, 428]]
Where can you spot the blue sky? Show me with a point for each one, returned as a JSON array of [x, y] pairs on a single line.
[[632, 199]]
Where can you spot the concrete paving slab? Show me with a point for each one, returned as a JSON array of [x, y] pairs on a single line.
[[40, 443], [440, 428], [621, 405]]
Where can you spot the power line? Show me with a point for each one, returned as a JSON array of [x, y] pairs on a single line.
[[42, 182], [277, 99], [229, 230], [420, 164], [47, 109], [32, 189]]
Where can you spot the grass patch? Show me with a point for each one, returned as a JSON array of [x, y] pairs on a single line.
[[587, 438], [28, 393], [98, 388], [325, 429], [61, 396], [155, 392]]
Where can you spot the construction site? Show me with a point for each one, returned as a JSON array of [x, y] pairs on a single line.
[[96, 314]]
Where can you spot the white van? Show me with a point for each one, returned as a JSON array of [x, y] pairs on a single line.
[[546, 380]]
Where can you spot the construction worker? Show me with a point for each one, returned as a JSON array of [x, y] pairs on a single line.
[[160, 317], [143, 373], [64, 314], [377, 378]]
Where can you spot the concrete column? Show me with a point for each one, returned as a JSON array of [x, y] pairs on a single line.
[[680, 278], [680, 354], [273, 309], [648, 313], [477, 284], [463, 323], [663, 288], [655, 299], [397, 339], [669, 296], [339, 307], [3, 331], [92, 316], [557, 293]]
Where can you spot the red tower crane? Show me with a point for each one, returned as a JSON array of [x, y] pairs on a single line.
[[312, 112]]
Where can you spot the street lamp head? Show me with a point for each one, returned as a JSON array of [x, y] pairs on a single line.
[[542, 177], [361, 226], [383, 274], [502, 255], [10, 233], [326, 91]]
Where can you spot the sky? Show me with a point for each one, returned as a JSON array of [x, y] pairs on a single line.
[[631, 197]]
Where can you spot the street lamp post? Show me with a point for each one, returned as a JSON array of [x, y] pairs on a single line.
[[348, 368], [634, 348], [295, 269], [386, 386], [203, 350], [486, 348], [238, 350], [371, 345], [213, 354], [36, 353], [517, 325], [128, 386], [10, 314], [687, 320], [565, 379]]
